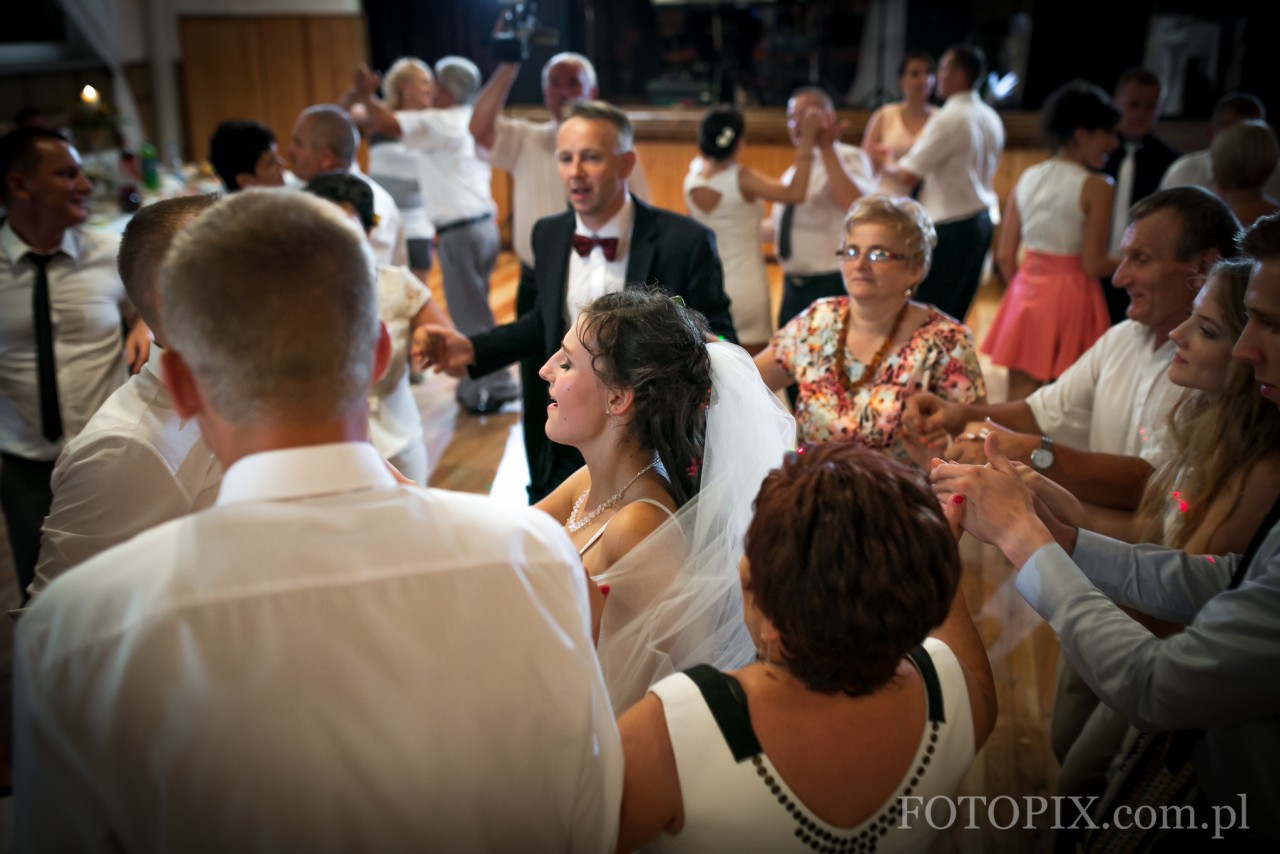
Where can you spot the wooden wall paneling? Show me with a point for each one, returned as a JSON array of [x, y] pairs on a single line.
[[335, 45], [222, 76], [286, 74]]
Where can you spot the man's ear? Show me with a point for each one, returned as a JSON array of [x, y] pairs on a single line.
[[1206, 259], [16, 185], [245, 180], [628, 163], [381, 353], [182, 386]]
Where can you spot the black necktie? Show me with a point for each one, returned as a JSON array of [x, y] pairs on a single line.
[[46, 368], [784, 232]]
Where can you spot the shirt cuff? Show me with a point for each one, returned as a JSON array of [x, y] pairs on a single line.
[[1050, 578]]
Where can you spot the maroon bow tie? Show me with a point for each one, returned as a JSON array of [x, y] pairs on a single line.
[[583, 245]]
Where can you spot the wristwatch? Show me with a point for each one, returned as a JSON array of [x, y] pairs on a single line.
[[1042, 457]]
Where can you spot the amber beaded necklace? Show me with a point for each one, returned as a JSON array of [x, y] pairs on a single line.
[[871, 368]]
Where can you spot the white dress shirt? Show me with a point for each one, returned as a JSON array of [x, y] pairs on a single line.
[[1115, 399], [87, 304], [324, 661], [817, 226], [1197, 168], [956, 158], [135, 464], [594, 276], [527, 150], [455, 182]]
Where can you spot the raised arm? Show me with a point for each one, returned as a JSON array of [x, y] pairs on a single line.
[[873, 139], [364, 91], [754, 185], [844, 190], [489, 103]]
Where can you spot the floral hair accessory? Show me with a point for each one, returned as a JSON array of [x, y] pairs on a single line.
[[694, 465]]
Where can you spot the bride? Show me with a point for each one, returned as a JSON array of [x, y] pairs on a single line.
[[677, 435]]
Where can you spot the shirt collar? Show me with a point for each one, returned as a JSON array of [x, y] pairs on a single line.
[[961, 97], [619, 226], [296, 473], [14, 247]]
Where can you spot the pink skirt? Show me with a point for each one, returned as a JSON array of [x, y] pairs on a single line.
[[1051, 313]]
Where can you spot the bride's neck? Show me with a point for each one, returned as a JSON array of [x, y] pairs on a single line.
[[609, 468]]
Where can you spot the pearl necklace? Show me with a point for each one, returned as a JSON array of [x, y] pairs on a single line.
[[574, 524]]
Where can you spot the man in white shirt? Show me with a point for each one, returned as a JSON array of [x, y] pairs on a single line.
[[807, 235], [1097, 430], [306, 665], [956, 159], [324, 140], [527, 149], [456, 194], [61, 311], [136, 463]]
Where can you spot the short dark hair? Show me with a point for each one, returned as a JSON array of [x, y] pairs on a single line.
[[146, 239], [19, 152], [1262, 240], [852, 561], [970, 59], [602, 111], [645, 341], [339, 187], [1077, 104], [721, 132], [913, 54], [235, 148], [1207, 222]]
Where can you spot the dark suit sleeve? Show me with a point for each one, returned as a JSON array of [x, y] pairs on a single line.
[[704, 285], [510, 342]]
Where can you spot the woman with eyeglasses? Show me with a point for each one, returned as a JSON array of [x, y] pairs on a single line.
[[856, 358]]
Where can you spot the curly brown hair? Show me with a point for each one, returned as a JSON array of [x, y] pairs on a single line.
[[852, 561], [646, 341]]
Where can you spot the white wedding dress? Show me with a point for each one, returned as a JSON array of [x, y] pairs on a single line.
[[674, 599]]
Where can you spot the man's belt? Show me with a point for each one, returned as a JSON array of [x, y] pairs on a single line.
[[460, 223]]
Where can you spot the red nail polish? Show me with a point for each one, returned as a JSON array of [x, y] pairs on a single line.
[[604, 590], [957, 499]]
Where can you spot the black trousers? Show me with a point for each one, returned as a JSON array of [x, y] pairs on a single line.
[[798, 293], [957, 265], [25, 497], [549, 463]]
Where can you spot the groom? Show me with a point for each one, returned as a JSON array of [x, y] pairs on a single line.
[[607, 241]]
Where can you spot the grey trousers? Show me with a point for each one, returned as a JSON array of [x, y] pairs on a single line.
[[467, 254]]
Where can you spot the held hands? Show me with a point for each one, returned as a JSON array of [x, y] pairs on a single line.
[[137, 346], [926, 414], [998, 508], [366, 82], [810, 128], [442, 348], [831, 129], [968, 446], [1054, 503]]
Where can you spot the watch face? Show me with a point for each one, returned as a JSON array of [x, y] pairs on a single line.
[[1041, 458]]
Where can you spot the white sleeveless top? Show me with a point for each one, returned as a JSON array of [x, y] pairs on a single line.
[[747, 806], [1048, 197]]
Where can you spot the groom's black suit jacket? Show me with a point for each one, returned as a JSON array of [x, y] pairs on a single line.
[[666, 250]]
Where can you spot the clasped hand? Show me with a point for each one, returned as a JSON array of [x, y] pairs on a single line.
[[443, 349]]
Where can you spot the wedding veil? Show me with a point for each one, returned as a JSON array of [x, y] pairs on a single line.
[[675, 600]]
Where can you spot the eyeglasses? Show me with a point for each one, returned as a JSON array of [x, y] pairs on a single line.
[[876, 254]]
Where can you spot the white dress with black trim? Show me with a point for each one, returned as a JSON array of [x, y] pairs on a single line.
[[735, 800]]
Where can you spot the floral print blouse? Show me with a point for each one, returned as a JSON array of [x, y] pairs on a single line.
[[940, 356]]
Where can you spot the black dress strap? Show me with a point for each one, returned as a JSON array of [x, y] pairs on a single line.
[[1273, 516], [932, 684], [728, 704]]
